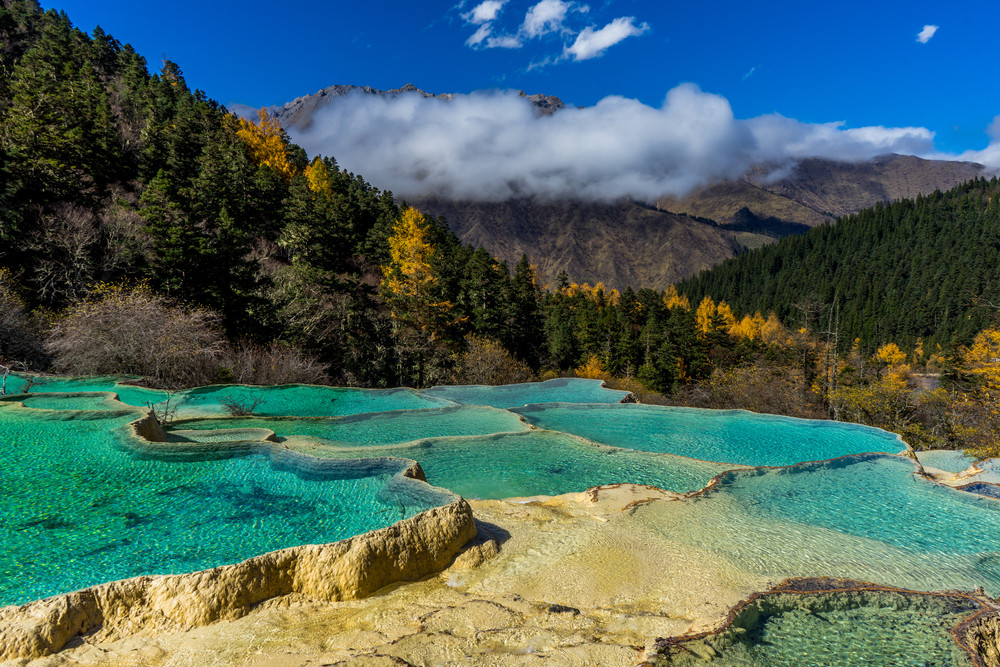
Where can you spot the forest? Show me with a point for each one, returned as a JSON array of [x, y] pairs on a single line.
[[146, 231]]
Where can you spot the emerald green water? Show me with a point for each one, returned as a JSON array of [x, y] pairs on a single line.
[[861, 636], [726, 436], [306, 400], [282, 400], [80, 508]]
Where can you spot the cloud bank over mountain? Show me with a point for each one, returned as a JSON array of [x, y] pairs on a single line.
[[492, 146]]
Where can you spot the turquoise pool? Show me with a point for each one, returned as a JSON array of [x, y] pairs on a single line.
[[84, 503], [382, 428], [724, 436], [867, 517], [283, 400], [568, 390], [548, 463], [80, 507]]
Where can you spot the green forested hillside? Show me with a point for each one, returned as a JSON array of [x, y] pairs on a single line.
[[110, 175], [925, 268]]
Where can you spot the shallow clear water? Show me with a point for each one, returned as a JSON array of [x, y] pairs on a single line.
[[306, 400], [384, 428], [567, 390], [868, 517], [128, 394], [990, 474], [874, 629], [283, 400], [79, 507], [945, 459], [97, 401], [544, 463], [730, 436]]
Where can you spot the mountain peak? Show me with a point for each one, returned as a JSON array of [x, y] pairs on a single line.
[[299, 112]]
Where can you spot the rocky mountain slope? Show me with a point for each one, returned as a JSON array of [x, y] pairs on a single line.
[[620, 243], [817, 190]]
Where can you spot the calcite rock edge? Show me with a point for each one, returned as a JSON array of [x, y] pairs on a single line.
[[347, 570]]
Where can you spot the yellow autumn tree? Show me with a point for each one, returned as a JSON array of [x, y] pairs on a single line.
[[318, 176], [703, 316], [749, 328], [725, 314], [890, 355], [409, 280], [773, 332], [593, 369], [672, 299], [267, 142], [982, 358]]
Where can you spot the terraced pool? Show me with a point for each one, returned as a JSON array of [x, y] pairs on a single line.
[[85, 502], [80, 507], [723, 436]]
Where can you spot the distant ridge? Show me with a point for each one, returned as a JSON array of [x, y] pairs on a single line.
[[817, 190], [299, 112]]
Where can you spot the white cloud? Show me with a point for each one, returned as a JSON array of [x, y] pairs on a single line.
[[591, 43], [781, 139], [504, 42], [993, 130], [484, 12], [545, 17], [925, 35], [493, 146], [482, 33], [989, 156]]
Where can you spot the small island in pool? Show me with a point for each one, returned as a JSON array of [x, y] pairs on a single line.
[[335, 484]]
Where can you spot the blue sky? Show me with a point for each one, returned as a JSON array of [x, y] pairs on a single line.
[[856, 62]]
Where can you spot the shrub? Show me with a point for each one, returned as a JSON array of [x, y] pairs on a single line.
[[486, 361], [245, 407], [761, 387], [20, 338], [124, 330], [276, 364]]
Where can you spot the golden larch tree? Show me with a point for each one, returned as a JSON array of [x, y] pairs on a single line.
[[318, 176], [703, 316], [724, 312], [268, 143], [409, 279], [672, 299]]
